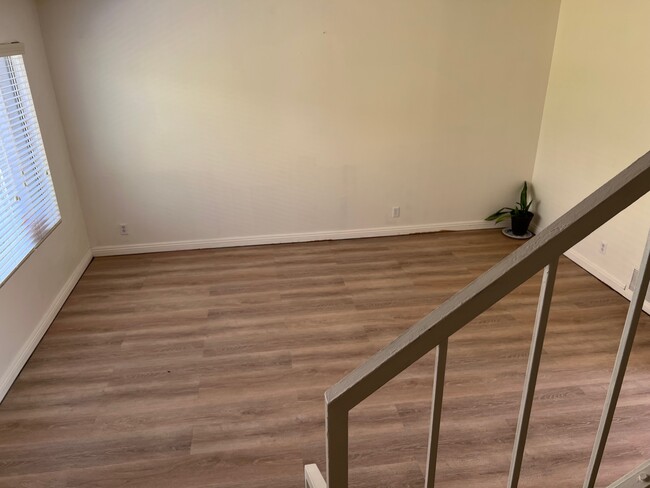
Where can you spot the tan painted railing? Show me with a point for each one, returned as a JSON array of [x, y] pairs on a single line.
[[433, 331]]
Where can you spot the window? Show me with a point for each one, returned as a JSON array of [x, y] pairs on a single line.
[[28, 206]]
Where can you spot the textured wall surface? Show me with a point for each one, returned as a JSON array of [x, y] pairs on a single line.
[[596, 122], [201, 120]]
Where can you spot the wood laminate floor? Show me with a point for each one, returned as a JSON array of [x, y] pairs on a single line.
[[207, 369]]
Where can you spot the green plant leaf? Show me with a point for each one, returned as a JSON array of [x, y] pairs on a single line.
[[522, 207], [502, 218], [524, 196], [502, 212]]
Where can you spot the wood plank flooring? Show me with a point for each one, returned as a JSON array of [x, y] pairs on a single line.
[[207, 369]]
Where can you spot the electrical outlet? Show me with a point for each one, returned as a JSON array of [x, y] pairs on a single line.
[[396, 212], [603, 247], [123, 230]]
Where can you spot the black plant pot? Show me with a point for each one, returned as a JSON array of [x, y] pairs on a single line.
[[520, 223]]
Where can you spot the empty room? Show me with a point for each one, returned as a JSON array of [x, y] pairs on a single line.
[[324, 243]]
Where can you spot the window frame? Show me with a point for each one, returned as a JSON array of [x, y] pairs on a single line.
[[18, 49]]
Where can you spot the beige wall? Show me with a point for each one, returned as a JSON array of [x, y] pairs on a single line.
[[31, 297], [597, 122], [211, 120]]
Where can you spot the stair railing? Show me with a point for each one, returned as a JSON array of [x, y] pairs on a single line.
[[433, 331]]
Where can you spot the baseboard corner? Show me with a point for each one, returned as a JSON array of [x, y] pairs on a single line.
[[39, 331]]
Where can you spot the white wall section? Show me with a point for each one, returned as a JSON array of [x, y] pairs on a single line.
[[30, 299], [596, 122], [202, 121]]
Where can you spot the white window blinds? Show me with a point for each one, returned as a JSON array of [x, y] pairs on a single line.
[[28, 206]]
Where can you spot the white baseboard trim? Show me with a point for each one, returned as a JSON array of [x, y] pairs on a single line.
[[593, 269], [287, 238], [599, 273], [28, 348], [604, 276]]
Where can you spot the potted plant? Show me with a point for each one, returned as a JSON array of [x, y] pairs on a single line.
[[520, 216]]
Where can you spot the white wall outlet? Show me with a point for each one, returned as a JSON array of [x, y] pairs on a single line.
[[396, 212], [603, 247], [124, 230]]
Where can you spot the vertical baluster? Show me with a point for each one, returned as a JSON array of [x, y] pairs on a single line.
[[618, 374], [336, 426], [313, 477], [436, 412], [534, 357]]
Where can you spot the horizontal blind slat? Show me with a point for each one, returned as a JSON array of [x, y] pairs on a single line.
[[36, 162], [31, 237], [21, 223], [18, 213], [16, 150]]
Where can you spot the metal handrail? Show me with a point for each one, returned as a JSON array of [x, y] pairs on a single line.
[[434, 329]]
